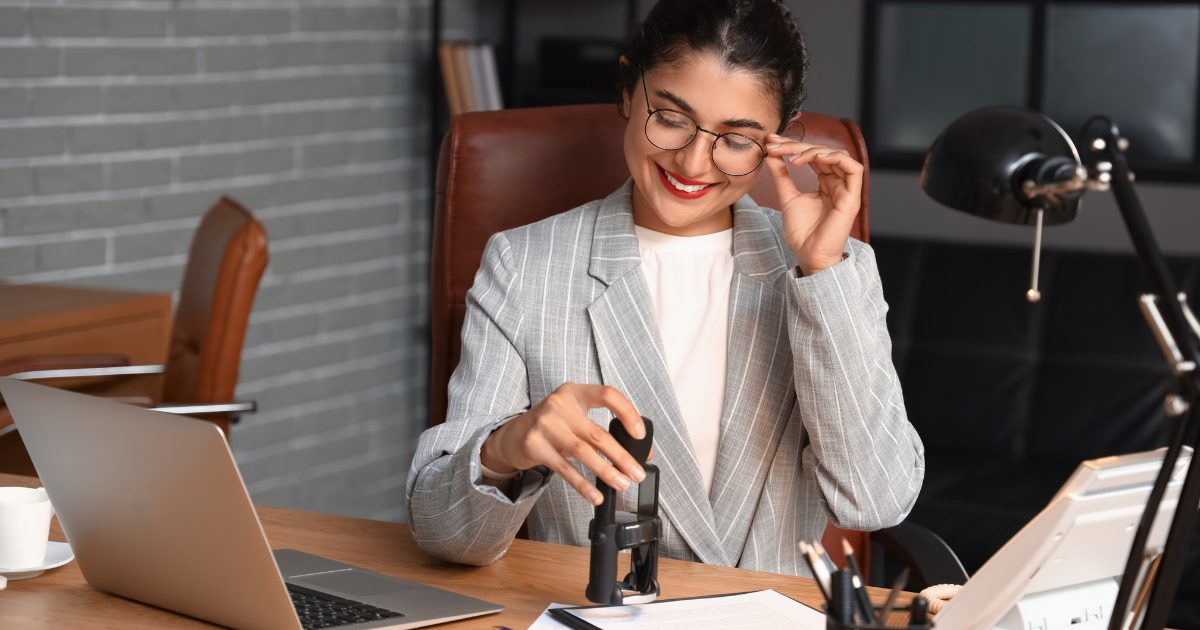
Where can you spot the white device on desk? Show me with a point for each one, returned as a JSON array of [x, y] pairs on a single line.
[[156, 511], [1063, 569]]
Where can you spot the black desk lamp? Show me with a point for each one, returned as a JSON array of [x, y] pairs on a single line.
[[1018, 166]]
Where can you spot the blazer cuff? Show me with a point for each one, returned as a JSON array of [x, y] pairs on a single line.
[[526, 484], [797, 272], [834, 290]]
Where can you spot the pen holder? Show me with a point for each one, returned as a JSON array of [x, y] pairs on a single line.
[[832, 623]]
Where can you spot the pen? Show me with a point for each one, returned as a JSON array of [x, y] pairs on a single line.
[[571, 621], [918, 616], [860, 600], [890, 602], [860, 592]]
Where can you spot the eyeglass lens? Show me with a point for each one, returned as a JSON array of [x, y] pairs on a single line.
[[733, 153]]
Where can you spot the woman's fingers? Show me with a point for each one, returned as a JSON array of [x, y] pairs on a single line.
[[797, 152], [570, 474], [585, 453], [785, 188], [836, 170], [560, 429], [596, 396], [556, 442]]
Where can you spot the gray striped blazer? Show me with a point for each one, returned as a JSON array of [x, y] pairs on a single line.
[[814, 427]]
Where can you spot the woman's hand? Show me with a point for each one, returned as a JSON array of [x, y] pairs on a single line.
[[558, 428], [815, 224]]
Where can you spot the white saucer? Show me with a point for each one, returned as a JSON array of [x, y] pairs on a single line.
[[57, 554]]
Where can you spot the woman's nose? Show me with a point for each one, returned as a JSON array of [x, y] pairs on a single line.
[[694, 158]]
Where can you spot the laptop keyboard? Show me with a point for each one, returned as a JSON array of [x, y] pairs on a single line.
[[321, 610]]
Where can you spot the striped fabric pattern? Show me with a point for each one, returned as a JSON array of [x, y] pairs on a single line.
[[814, 427]]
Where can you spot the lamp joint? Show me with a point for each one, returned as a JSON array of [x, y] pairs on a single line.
[[1188, 315], [1162, 334], [1175, 405]]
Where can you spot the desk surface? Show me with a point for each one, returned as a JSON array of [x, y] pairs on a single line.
[[27, 309], [529, 577]]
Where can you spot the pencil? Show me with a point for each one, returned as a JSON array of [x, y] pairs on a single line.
[[890, 602], [819, 571], [860, 592]]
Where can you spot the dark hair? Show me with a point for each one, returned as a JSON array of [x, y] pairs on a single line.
[[759, 36]]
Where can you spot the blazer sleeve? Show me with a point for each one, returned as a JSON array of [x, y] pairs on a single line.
[[863, 453], [453, 515]]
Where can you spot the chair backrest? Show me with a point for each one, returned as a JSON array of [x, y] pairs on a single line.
[[536, 156], [225, 262]]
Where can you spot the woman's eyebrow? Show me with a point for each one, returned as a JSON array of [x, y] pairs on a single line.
[[683, 105]]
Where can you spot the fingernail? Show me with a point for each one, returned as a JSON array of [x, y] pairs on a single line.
[[639, 474], [595, 497], [623, 482], [773, 146]]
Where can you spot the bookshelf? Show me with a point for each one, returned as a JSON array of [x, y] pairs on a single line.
[[523, 35]]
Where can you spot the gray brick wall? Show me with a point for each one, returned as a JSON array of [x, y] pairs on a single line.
[[121, 121]]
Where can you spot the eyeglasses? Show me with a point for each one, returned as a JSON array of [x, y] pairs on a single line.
[[734, 154]]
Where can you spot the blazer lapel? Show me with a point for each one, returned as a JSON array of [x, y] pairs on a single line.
[[631, 359], [759, 388]]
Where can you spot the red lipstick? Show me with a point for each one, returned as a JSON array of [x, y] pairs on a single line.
[[662, 176]]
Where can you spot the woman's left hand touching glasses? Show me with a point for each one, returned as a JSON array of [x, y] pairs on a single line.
[[815, 224]]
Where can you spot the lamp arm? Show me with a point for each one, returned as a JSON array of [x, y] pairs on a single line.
[[1100, 136]]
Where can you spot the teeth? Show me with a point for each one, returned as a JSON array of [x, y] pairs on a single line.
[[684, 187]]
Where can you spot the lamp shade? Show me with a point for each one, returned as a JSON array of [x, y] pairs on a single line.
[[982, 163]]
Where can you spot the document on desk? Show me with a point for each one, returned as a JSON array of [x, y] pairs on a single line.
[[747, 611]]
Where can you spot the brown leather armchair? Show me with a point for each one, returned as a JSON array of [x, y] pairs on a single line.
[[225, 262]]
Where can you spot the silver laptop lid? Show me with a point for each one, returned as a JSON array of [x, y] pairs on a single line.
[[153, 506]]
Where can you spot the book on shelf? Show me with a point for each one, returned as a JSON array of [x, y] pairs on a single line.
[[469, 77], [491, 78], [450, 78], [462, 72]]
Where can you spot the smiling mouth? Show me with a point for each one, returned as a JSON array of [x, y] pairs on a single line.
[[681, 187]]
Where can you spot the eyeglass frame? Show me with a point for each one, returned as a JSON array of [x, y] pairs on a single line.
[[762, 154]]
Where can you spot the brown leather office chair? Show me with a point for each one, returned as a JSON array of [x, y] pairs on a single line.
[[226, 259], [535, 156]]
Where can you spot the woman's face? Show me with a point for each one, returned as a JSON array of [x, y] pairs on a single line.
[[665, 194]]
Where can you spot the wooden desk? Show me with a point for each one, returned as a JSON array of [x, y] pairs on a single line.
[[37, 320], [529, 577]]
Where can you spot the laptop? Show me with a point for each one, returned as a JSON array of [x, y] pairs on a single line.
[[156, 511]]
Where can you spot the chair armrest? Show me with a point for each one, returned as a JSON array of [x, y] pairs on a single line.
[[87, 372], [61, 361], [7, 425], [233, 409], [248, 406], [928, 557]]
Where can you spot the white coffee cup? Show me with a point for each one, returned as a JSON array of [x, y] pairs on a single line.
[[24, 527]]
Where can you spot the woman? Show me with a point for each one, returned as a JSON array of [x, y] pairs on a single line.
[[755, 340]]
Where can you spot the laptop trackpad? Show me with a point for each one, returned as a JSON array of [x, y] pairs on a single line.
[[351, 582]]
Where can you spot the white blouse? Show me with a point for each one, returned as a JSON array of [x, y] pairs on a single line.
[[689, 279]]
